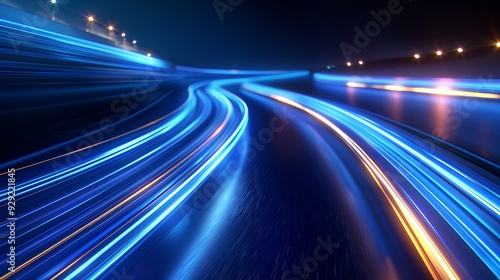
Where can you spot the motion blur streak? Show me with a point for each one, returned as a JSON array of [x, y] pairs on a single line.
[[225, 72], [82, 218], [445, 87], [192, 164], [433, 258], [47, 41], [436, 91], [464, 199], [99, 143]]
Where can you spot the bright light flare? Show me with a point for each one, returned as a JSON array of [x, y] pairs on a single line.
[[91, 19], [416, 56], [349, 64], [439, 53], [394, 88], [149, 54], [111, 28], [498, 44], [361, 62], [460, 50], [123, 34], [53, 1], [357, 85], [134, 42]]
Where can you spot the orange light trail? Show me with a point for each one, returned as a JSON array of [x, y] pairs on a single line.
[[435, 261], [99, 143], [116, 207]]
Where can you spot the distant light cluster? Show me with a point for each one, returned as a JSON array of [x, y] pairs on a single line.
[[418, 56], [111, 28]]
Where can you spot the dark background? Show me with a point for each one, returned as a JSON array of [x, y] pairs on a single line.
[[291, 33], [283, 34]]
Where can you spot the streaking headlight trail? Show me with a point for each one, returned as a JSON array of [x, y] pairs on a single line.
[[464, 199], [445, 87]]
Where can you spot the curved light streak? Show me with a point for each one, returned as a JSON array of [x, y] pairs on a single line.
[[468, 202]]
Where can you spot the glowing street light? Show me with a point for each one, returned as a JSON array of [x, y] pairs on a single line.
[[439, 53], [349, 64], [149, 54], [123, 34], [134, 42], [53, 1], [91, 19], [460, 50], [498, 45], [111, 28], [361, 62], [416, 56]]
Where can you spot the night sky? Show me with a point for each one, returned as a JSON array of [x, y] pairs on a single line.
[[293, 34]]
